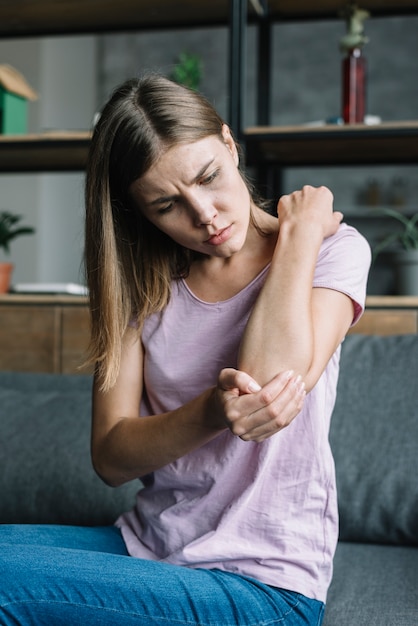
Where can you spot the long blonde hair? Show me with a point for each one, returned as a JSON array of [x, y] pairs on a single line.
[[129, 263]]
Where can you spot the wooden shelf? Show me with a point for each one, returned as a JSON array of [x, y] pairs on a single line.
[[39, 17], [306, 9], [389, 315], [287, 146], [53, 152], [392, 302], [291, 146], [47, 299], [44, 17]]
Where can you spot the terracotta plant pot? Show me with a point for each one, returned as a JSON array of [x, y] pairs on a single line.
[[6, 270]]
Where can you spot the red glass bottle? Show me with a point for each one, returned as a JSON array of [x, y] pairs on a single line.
[[353, 65], [354, 87]]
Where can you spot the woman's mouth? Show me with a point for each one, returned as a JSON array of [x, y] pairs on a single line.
[[220, 237]]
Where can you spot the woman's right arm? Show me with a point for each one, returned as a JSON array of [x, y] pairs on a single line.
[[126, 446]]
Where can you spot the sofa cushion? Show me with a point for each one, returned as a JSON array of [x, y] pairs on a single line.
[[374, 437], [373, 586], [46, 473]]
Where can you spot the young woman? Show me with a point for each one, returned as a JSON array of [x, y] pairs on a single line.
[[216, 329]]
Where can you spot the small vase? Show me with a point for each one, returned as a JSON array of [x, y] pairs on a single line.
[[354, 87], [6, 270], [406, 263]]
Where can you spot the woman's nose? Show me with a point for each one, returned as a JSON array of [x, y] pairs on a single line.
[[207, 221], [203, 214]]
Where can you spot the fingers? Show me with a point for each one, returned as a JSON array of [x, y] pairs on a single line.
[[254, 416], [308, 196], [232, 379], [277, 412], [312, 204]]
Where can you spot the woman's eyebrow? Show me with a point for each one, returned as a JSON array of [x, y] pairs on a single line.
[[203, 170], [164, 199], [161, 200]]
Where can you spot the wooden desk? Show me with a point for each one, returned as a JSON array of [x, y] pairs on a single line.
[[389, 315], [43, 333], [51, 333]]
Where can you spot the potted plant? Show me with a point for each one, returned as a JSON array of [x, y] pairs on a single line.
[[188, 70], [402, 242], [9, 230]]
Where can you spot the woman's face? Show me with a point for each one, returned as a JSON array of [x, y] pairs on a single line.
[[196, 195]]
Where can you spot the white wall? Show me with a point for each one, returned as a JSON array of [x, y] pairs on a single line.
[[63, 71]]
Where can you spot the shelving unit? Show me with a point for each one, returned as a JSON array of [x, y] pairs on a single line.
[[53, 152], [286, 146], [55, 332], [45, 17], [64, 151], [271, 148], [389, 142]]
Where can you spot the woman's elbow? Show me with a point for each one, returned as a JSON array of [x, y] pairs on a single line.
[[104, 470]]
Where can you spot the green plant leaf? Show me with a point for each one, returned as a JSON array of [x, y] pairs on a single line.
[[9, 229], [188, 70], [406, 237]]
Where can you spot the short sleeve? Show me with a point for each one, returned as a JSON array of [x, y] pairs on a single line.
[[343, 265]]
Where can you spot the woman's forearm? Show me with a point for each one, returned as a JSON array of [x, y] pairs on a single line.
[[136, 446], [279, 334]]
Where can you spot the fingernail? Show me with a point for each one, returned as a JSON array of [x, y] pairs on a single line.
[[253, 386], [289, 374]]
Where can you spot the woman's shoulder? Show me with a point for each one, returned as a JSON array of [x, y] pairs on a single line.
[[343, 263], [347, 240]]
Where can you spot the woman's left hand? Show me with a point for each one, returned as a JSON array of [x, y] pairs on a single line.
[[255, 413]]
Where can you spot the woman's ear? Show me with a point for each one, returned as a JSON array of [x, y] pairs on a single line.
[[230, 143]]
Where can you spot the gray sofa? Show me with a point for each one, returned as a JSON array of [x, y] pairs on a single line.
[[46, 476]]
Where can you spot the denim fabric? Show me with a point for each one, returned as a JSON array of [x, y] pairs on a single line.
[[61, 575]]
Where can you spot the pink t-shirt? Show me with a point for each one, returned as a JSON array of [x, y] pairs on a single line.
[[266, 510]]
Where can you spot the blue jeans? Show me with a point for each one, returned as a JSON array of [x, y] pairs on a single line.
[[61, 575]]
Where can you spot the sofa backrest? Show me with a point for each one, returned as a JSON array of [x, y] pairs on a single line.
[[46, 474], [374, 437]]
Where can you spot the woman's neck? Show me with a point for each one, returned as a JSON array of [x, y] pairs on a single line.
[[214, 279]]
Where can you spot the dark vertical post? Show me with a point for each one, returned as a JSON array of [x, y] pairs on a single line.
[[237, 49], [264, 66]]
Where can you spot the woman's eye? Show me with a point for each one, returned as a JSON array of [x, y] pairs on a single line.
[[165, 209], [210, 178]]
